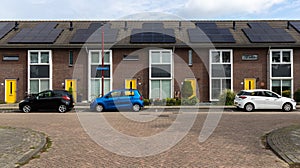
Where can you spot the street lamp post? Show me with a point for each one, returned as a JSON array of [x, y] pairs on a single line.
[[102, 72]]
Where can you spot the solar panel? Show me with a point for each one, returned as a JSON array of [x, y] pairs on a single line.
[[261, 32], [209, 32], [296, 25], [152, 33], [94, 34], [5, 28], [45, 32]]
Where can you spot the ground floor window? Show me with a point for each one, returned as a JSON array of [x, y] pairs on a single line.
[[160, 74], [95, 72], [160, 89], [39, 70], [220, 72], [281, 71], [218, 86], [38, 85], [282, 87], [96, 87]]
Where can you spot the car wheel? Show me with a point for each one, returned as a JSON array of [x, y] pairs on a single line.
[[249, 107], [62, 108], [136, 107], [287, 107], [99, 108], [26, 108]]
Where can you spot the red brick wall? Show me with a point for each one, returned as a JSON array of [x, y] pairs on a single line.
[[13, 70], [139, 69], [250, 69], [296, 60]]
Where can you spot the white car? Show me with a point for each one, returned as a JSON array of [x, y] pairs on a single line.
[[250, 100]]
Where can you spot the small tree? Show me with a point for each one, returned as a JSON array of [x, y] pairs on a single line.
[[297, 95], [227, 97], [187, 89], [70, 90]]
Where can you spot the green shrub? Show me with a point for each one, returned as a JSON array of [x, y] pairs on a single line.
[[297, 95], [187, 89], [227, 97], [146, 102], [70, 90], [286, 93], [178, 102], [192, 101], [171, 102]]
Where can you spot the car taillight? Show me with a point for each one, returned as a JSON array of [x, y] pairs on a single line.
[[243, 97], [66, 98], [141, 97]]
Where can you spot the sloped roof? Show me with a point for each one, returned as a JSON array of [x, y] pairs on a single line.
[[121, 33]]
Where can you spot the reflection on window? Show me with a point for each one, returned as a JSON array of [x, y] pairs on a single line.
[[160, 74], [220, 72]]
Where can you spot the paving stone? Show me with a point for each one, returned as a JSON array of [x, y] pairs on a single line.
[[234, 143]]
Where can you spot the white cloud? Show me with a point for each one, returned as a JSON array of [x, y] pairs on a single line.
[[148, 9], [217, 8]]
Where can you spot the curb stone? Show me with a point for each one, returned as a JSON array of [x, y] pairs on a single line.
[[19, 145], [284, 142]]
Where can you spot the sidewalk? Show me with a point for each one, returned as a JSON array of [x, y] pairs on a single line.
[[84, 106], [19, 145]]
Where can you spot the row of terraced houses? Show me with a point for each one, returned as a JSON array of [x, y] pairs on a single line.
[[155, 57]]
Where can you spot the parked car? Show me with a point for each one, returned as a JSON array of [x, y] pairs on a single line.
[[119, 100], [250, 100], [59, 100]]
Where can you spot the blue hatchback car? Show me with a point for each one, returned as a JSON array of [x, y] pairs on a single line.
[[119, 100]]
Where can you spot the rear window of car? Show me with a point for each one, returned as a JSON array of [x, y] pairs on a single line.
[[59, 93], [244, 93]]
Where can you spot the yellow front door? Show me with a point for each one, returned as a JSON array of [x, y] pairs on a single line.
[[130, 84], [71, 86], [193, 83], [10, 91], [249, 83]]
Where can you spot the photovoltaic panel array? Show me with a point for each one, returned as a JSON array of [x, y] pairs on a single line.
[[94, 34], [261, 32], [44, 33], [5, 28], [296, 25], [209, 32], [152, 33]]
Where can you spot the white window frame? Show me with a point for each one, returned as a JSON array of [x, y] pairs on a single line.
[[281, 62], [39, 63], [220, 63], [90, 97], [161, 78]]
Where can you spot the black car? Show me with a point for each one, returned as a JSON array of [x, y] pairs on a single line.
[[59, 100]]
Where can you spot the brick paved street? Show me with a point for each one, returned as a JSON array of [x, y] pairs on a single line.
[[234, 143]]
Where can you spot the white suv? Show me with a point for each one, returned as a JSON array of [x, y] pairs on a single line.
[[263, 99]]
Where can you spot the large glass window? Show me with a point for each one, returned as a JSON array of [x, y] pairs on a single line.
[[95, 72], [160, 74], [39, 71], [281, 71], [220, 72]]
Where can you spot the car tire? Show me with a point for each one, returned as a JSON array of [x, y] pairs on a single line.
[[249, 107], [26, 108], [62, 108], [99, 108], [136, 107], [287, 107]]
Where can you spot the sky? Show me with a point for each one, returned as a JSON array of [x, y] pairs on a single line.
[[150, 10]]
